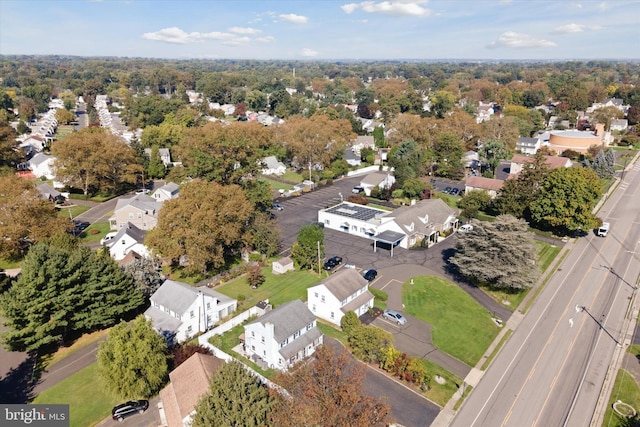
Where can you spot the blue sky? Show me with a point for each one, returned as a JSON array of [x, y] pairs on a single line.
[[324, 29]]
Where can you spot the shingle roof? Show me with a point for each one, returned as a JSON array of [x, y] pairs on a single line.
[[301, 342], [344, 283], [486, 183], [189, 382], [287, 319], [552, 161], [131, 230], [179, 296], [374, 178], [140, 201], [436, 209]]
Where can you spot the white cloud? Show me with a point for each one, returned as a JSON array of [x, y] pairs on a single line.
[[236, 36], [575, 28], [244, 30], [412, 8], [266, 39], [308, 52], [577, 5], [515, 40], [603, 6], [292, 17]]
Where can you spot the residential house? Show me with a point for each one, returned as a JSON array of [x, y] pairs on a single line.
[[485, 111], [361, 142], [379, 180], [127, 239], [49, 193], [282, 265], [518, 161], [165, 155], [271, 166], [528, 146], [343, 291], [489, 185], [33, 144], [619, 125], [169, 191], [282, 336], [140, 210], [405, 226], [179, 311], [42, 165], [471, 160], [187, 384]]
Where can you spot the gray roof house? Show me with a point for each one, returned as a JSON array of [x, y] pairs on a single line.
[[271, 166], [282, 336], [377, 179], [49, 193], [165, 155], [343, 291], [178, 311], [168, 191], [127, 239], [140, 210]]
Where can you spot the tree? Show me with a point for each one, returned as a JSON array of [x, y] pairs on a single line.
[[255, 276], [64, 116], [604, 163], [349, 322], [146, 275], [182, 352], [327, 392], [492, 152], [474, 201], [517, 194], [25, 217], [499, 254], [566, 200], [366, 342], [414, 188], [502, 129], [156, 168], [316, 140], [236, 399], [606, 115], [96, 158], [308, 249], [407, 159], [133, 360], [63, 292], [208, 223], [447, 153]]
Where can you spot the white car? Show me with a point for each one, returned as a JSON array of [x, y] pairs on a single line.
[[465, 228], [394, 316], [108, 238]]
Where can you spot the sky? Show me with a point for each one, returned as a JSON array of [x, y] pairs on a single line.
[[324, 29]]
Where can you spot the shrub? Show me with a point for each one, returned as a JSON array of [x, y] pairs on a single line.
[[381, 295], [94, 232], [358, 199]]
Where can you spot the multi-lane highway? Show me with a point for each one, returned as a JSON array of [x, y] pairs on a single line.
[[552, 370]]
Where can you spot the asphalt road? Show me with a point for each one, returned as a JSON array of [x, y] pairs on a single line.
[[553, 368]]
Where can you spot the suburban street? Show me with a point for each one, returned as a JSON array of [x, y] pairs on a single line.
[[552, 370]]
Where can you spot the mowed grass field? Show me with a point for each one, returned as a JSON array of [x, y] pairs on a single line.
[[85, 393], [278, 288], [461, 327]]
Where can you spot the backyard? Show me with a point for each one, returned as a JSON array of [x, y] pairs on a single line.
[[278, 288]]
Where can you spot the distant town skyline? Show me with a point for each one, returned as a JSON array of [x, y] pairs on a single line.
[[324, 30]]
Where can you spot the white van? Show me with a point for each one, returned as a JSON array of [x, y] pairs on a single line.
[[603, 230]]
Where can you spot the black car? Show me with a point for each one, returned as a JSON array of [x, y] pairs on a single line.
[[332, 262], [127, 409], [370, 274]]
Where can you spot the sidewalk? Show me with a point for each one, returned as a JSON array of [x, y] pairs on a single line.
[[447, 413]]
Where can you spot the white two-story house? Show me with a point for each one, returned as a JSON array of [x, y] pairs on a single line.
[[178, 311], [344, 291], [283, 336]]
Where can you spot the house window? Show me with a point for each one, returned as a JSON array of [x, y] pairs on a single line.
[[208, 306], [332, 314], [208, 318], [362, 230], [313, 308], [189, 329], [253, 334], [156, 305], [166, 310], [262, 340], [322, 299], [315, 294], [192, 314], [130, 215], [326, 221], [139, 215], [253, 348], [264, 352], [354, 228]]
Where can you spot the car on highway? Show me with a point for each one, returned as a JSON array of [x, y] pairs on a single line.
[[332, 262], [127, 409], [370, 274], [394, 316]]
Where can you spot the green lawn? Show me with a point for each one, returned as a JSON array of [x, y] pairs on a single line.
[[72, 211], [440, 393], [6, 264], [294, 176], [460, 326], [84, 392], [102, 227], [278, 288], [277, 185], [625, 389]]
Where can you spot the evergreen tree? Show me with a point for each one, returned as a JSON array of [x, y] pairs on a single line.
[[236, 399], [156, 167], [308, 249], [64, 291], [133, 360]]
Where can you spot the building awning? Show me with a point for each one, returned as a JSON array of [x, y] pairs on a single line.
[[345, 224], [390, 237]]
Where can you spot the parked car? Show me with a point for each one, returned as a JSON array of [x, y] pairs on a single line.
[[465, 228], [370, 274], [454, 191], [447, 190], [127, 409], [394, 316], [143, 191], [108, 238], [277, 206], [332, 262], [357, 189]]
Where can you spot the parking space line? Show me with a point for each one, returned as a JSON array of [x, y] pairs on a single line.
[[389, 282]]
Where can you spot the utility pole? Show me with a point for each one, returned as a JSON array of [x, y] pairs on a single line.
[[318, 257]]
